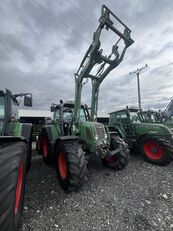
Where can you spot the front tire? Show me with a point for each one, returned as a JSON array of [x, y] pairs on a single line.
[[13, 158], [120, 159], [156, 150], [70, 165]]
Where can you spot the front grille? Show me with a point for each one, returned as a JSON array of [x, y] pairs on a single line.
[[100, 130]]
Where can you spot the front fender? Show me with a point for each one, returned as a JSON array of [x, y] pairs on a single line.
[[116, 128]]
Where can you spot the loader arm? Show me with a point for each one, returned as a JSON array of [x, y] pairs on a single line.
[[94, 57], [168, 112]]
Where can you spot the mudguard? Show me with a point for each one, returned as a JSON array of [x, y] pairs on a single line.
[[116, 128], [26, 131], [48, 130], [11, 139], [64, 138]]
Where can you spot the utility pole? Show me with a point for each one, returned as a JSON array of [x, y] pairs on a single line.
[[137, 72]]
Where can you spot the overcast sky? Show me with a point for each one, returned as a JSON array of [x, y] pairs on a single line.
[[42, 43]]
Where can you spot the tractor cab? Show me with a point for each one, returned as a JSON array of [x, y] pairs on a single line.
[[92, 133], [63, 114], [125, 119], [9, 116]]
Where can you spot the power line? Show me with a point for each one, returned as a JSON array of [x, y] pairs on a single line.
[[57, 19], [98, 3], [80, 12], [83, 15]]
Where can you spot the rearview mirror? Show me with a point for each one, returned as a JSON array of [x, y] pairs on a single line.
[[28, 101], [52, 108]]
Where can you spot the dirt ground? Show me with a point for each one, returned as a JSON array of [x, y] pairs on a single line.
[[138, 198]]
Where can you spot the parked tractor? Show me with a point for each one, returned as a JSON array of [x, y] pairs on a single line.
[[154, 141], [165, 117], [15, 159], [74, 134]]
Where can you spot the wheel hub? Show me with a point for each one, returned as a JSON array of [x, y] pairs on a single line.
[[153, 150]]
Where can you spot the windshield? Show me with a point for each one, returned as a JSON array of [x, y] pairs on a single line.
[[149, 117], [135, 117], [145, 117], [67, 115], [153, 119]]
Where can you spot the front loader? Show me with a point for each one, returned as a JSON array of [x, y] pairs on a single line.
[[15, 159], [74, 133]]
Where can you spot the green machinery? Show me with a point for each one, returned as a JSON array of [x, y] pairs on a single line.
[[15, 158], [165, 117], [153, 141], [74, 135]]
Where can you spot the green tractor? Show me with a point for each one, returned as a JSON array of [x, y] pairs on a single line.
[[165, 117], [15, 158], [153, 141], [74, 133]]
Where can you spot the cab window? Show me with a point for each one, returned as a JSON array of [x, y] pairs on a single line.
[[2, 107]]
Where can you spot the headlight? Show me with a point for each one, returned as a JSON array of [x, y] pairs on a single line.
[[96, 137]]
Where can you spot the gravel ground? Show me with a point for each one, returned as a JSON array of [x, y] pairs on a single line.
[[138, 198]]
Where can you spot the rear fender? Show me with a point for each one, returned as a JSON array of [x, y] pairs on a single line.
[[116, 129], [27, 131], [48, 131], [5, 139], [52, 131]]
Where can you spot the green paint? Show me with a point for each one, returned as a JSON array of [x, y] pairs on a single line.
[[130, 123]]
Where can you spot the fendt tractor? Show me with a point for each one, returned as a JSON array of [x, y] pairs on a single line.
[[153, 140], [15, 159], [74, 134], [165, 117]]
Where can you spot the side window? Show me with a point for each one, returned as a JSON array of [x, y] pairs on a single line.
[[14, 110], [2, 107], [112, 119], [56, 115], [82, 115]]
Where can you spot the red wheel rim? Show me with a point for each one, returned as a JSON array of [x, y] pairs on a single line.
[[19, 188], [153, 150], [62, 166], [45, 146]]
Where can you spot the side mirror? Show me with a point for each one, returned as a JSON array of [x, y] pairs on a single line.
[[28, 101], [52, 108]]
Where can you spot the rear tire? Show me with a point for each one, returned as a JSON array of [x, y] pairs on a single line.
[[70, 165], [39, 145], [43, 148], [13, 157], [119, 160], [47, 158], [156, 150]]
